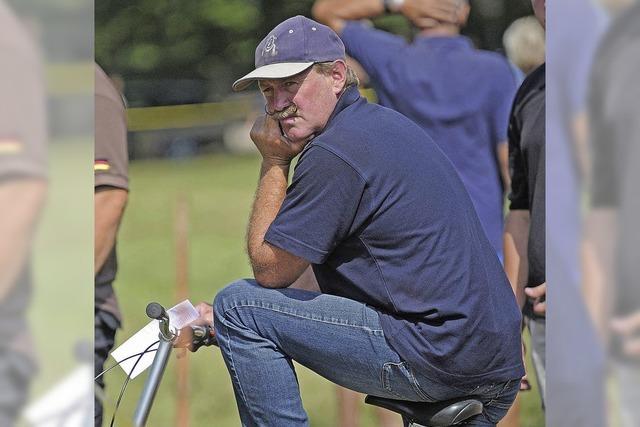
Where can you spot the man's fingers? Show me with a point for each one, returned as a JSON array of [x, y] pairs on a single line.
[[447, 11], [424, 22], [525, 385], [627, 325], [536, 291], [629, 328], [205, 311], [185, 337], [540, 308], [632, 347], [265, 126]]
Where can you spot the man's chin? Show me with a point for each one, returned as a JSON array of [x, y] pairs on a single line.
[[297, 137], [300, 140]]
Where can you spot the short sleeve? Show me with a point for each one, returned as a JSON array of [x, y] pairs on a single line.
[[370, 47], [604, 191], [519, 195], [111, 156], [23, 151], [320, 206]]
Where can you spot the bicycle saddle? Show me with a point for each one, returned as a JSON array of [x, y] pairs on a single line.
[[431, 414]]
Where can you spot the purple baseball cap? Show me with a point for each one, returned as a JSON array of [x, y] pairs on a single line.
[[292, 47]]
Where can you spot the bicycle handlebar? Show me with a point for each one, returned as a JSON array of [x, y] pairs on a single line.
[[202, 336], [156, 311]]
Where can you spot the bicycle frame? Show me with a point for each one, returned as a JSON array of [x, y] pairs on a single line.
[[166, 338], [153, 382]]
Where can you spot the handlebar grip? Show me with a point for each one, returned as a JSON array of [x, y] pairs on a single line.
[[156, 311], [203, 336]]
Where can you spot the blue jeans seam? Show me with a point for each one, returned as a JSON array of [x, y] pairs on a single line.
[[494, 399], [233, 367], [415, 384], [499, 395], [386, 373], [374, 331]]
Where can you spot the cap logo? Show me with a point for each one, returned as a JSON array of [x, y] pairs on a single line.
[[270, 47]]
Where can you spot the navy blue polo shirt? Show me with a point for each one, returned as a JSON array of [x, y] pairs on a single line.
[[383, 217], [459, 95]]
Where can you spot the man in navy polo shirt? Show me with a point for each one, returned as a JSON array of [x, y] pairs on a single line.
[[414, 303], [459, 95]]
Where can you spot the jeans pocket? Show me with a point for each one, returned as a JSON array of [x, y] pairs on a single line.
[[398, 380], [498, 405]]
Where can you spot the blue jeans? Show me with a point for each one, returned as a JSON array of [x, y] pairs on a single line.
[[260, 331]]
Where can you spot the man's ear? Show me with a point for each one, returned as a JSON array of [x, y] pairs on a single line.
[[338, 76], [462, 14]]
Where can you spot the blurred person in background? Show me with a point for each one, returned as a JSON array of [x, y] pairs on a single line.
[[574, 393], [524, 233], [111, 187], [405, 310], [23, 186], [524, 43], [612, 234], [429, 81]]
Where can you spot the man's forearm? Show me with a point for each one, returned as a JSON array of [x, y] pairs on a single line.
[[335, 13], [307, 281], [516, 236], [21, 203], [272, 188], [108, 209], [597, 253], [502, 154]]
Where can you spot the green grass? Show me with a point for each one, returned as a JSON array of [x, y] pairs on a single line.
[[219, 191], [530, 406]]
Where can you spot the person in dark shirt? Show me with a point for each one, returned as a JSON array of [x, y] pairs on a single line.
[[524, 234], [414, 303], [110, 197], [612, 234], [23, 189]]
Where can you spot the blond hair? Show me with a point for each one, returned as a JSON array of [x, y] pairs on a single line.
[[524, 42]]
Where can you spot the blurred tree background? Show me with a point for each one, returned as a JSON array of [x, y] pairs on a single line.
[[189, 51]]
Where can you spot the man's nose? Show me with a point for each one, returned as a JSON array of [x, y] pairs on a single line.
[[281, 100]]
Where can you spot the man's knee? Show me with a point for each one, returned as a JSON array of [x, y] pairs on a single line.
[[232, 295]]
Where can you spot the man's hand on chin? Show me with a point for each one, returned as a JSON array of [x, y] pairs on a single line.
[[273, 145]]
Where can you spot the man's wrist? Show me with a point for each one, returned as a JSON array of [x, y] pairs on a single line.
[[273, 162], [392, 6]]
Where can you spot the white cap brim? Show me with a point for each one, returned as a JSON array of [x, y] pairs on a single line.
[[271, 71]]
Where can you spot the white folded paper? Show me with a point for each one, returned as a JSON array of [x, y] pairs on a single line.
[[129, 353]]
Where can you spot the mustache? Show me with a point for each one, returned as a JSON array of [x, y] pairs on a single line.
[[287, 112]]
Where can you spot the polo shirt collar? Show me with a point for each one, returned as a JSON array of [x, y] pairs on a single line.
[[347, 98]]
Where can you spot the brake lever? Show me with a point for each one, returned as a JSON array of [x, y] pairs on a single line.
[[203, 336]]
